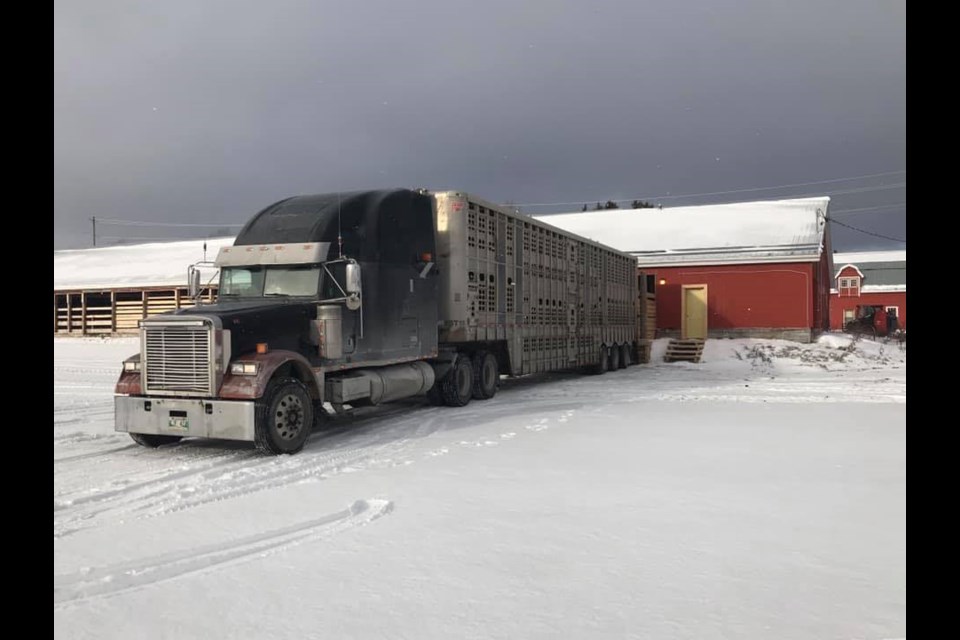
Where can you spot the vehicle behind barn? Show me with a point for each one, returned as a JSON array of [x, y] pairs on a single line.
[[369, 297], [873, 320]]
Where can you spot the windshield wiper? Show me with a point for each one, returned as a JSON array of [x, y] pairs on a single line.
[[285, 295]]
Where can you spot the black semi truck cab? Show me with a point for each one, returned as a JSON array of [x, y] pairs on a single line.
[[368, 297]]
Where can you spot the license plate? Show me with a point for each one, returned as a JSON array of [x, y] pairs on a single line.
[[179, 423]]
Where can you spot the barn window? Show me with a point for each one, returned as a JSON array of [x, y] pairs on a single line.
[[848, 316], [850, 286], [896, 310]]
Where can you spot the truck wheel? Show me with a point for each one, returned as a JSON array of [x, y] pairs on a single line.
[[625, 359], [457, 386], [284, 417], [615, 358], [486, 375], [153, 441]]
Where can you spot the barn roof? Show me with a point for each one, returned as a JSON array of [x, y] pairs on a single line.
[[140, 265], [881, 270], [741, 232]]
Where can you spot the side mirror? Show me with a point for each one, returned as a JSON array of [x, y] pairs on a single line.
[[353, 278], [193, 282]]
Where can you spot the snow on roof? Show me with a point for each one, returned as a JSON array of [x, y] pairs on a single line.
[[136, 265], [882, 288], [848, 265], [740, 232], [880, 270], [861, 257]]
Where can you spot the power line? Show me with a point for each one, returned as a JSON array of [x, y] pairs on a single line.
[[897, 185], [862, 209], [141, 223], [713, 193], [869, 233], [153, 238]]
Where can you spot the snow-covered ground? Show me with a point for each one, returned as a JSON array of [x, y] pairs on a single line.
[[758, 494]]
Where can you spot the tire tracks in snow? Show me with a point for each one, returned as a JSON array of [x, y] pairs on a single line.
[[119, 578], [93, 454], [268, 473], [375, 439], [237, 474], [77, 512]]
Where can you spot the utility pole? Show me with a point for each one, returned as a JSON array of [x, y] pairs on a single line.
[[94, 221]]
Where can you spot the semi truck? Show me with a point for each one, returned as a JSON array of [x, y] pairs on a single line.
[[362, 298]]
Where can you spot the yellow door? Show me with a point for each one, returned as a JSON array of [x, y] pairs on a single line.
[[694, 311]]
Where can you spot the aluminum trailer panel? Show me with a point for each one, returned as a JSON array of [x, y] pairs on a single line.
[[554, 298]]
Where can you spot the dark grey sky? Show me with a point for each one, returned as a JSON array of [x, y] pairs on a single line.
[[205, 112]]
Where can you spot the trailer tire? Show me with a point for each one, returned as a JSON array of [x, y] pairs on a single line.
[[626, 356], [615, 358], [283, 417], [604, 363], [154, 440], [486, 375], [457, 386]]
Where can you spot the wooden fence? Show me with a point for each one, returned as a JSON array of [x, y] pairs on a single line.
[[118, 310]]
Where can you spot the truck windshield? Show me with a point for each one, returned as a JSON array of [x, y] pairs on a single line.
[[260, 281]]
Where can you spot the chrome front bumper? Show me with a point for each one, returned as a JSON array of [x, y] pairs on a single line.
[[226, 419]]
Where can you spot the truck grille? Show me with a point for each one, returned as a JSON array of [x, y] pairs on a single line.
[[178, 359]]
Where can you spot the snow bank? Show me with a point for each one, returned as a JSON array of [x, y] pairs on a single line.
[[141, 265], [831, 352]]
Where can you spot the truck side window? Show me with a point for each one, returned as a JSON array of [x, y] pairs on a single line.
[[329, 289]]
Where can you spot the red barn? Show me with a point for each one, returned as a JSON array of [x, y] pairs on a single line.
[[747, 269], [869, 278]]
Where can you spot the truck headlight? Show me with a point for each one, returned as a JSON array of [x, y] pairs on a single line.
[[131, 365], [244, 368]]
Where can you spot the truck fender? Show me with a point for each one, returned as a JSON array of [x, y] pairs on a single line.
[[128, 384], [236, 387]]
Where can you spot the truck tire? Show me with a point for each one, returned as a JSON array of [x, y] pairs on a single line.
[[486, 375], [457, 386], [153, 441], [284, 417], [615, 358], [625, 359]]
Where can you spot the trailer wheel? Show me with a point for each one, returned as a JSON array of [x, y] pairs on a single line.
[[625, 356], [457, 386], [284, 417], [615, 358], [604, 363], [486, 375], [153, 441]]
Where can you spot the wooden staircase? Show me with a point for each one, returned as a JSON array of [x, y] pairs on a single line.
[[684, 350]]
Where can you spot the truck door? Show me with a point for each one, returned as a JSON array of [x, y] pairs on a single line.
[[333, 287]]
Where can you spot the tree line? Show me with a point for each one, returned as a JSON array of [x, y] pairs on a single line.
[[610, 204]]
